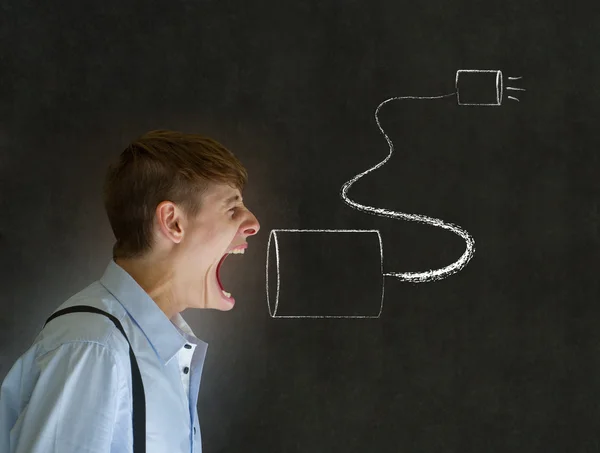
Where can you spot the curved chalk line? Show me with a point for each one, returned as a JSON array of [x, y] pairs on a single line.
[[415, 277]]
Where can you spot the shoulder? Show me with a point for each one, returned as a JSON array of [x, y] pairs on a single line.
[[85, 328]]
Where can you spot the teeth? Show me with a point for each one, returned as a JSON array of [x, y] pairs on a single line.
[[237, 251], [226, 293]]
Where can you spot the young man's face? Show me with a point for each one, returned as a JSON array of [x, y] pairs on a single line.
[[221, 227]]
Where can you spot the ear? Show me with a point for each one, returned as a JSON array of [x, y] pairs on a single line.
[[170, 221]]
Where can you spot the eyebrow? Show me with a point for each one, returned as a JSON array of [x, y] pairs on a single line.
[[231, 199]]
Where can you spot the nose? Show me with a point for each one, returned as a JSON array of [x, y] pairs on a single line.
[[250, 226]]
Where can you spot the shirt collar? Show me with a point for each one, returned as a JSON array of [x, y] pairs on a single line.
[[163, 334]]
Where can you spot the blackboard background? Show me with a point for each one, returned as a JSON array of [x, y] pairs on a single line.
[[504, 356]]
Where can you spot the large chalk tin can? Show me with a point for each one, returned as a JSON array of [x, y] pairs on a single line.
[[324, 274]]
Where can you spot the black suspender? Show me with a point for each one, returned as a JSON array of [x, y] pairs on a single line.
[[139, 398]]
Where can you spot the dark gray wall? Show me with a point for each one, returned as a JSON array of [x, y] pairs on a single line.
[[503, 356]]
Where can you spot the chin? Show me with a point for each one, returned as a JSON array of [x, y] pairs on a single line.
[[220, 301], [224, 307]]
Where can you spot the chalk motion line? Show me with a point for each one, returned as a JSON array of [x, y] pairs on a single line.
[[431, 274]]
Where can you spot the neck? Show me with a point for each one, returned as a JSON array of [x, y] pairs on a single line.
[[155, 277]]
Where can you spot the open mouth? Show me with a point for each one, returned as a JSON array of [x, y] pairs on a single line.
[[237, 250]]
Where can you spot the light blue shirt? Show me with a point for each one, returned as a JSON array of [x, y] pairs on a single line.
[[71, 390]]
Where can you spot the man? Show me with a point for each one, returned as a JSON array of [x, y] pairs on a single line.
[[174, 202]]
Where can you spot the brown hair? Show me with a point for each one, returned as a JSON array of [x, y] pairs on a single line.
[[162, 165]]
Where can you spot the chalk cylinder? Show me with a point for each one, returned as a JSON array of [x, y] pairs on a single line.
[[324, 274], [479, 87]]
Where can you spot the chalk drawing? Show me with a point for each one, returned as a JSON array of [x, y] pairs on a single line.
[[273, 236], [474, 87]]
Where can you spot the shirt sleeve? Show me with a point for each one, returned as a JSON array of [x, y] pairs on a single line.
[[73, 403]]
